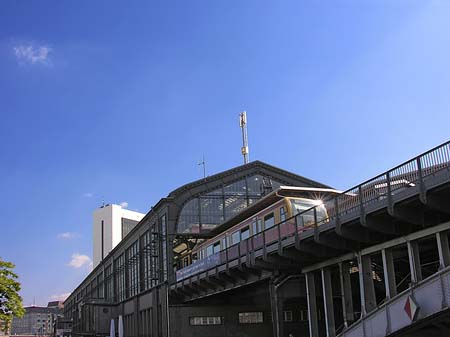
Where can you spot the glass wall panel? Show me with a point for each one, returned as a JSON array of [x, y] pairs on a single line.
[[133, 269], [189, 220], [205, 212]]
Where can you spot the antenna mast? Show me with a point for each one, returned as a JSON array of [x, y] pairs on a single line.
[[243, 125]]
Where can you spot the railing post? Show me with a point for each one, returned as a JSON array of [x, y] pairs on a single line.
[[389, 193], [297, 239], [279, 238], [414, 261], [361, 201], [423, 193], [316, 226]]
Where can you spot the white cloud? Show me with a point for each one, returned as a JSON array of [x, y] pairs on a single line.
[[124, 204], [60, 297], [88, 195], [67, 235], [79, 260], [31, 54]]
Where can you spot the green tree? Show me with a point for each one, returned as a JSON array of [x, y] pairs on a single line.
[[10, 300]]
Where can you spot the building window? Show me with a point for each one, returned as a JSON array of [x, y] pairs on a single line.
[[251, 317], [304, 315], [205, 320], [287, 316], [133, 269]]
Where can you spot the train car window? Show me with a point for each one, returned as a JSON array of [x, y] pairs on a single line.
[[209, 250], [254, 227], [245, 233], [282, 214], [224, 243], [235, 237], [216, 247], [269, 220]]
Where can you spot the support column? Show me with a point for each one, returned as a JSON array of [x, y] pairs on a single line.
[[414, 261], [443, 249], [367, 289], [328, 302], [312, 305], [276, 308], [346, 293], [389, 273]]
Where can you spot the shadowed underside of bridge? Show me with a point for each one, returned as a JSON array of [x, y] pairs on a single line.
[[383, 242]]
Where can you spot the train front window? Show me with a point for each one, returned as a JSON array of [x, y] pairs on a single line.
[[269, 221], [301, 205]]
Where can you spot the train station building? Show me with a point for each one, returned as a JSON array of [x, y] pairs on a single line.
[[373, 260], [134, 281]]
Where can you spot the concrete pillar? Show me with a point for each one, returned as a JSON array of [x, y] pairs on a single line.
[[346, 293], [312, 305], [414, 261], [328, 302], [367, 289], [389, 273], [443, 249]]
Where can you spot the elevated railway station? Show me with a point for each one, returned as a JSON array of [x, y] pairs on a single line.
[[258, 251]]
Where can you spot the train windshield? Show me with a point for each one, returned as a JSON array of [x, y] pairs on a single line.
[[301, 205]]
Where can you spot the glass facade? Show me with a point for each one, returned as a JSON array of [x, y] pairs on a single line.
[[119, 268], [109, 283], [205, 212], [133, 269]]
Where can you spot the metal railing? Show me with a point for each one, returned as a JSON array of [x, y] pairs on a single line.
[[409, 174]]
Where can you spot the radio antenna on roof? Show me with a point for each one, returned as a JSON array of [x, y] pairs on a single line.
[[243, 125]]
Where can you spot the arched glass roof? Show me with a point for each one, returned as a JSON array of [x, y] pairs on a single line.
[[206, 211]]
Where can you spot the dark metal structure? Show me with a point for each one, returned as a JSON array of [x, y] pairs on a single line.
[[384, 242]]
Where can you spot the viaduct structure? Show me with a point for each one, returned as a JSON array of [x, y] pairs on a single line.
[[378, 265]]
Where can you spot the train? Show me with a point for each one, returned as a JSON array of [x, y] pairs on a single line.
[[256, 226]]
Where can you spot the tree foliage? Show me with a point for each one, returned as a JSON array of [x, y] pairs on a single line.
[[10, 300]]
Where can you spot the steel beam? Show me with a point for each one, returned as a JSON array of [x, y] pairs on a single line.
[[389, 273], [328, 302], [443, 249], [414, 261], [346, 293], [312, 305], [367, 289]]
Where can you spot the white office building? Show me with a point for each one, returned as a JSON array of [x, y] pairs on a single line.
[[111, 223]]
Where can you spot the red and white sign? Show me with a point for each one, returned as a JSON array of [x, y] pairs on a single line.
[[411, 308]]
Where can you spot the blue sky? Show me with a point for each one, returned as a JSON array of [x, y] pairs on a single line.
[[120, 100]]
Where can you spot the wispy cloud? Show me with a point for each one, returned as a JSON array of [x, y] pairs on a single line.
[[124, 204], [88, 195], [67, 235], [59, 297], [79, 260], [32, 54]]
